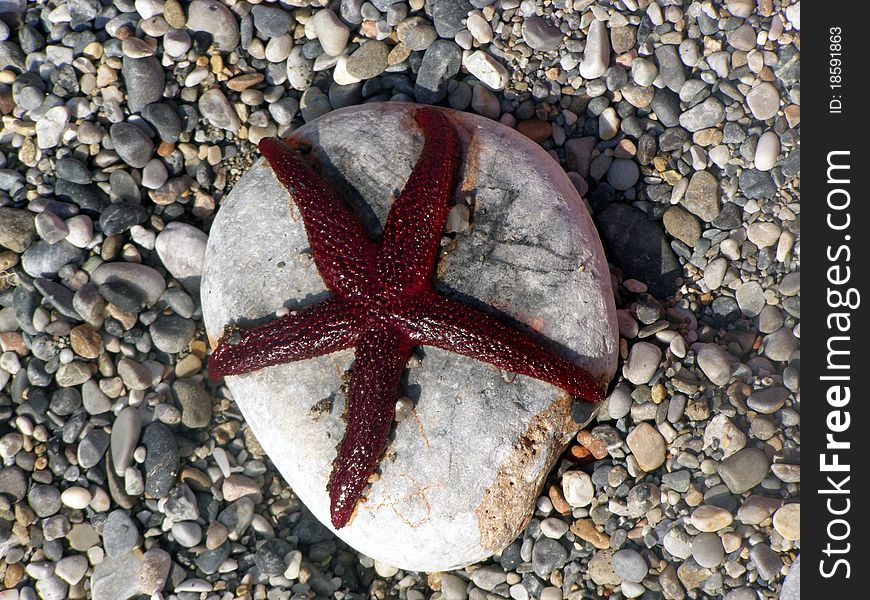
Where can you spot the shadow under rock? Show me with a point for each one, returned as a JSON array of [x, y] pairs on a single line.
[[638, 246]]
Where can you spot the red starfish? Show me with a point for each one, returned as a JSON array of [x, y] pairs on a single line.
[[383, 304]]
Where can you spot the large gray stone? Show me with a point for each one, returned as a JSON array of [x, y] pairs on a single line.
[[464, 471]]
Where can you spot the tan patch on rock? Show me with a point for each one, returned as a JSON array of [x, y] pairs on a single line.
[[504, 512]]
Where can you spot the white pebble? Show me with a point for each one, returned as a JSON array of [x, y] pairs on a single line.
[[76, 497], [577, 488], [767, 151]]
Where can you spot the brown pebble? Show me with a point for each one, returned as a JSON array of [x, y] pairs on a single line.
[[86, 341], [558, 500], [7, 103], [174, 14], [13, 341], [580, 452], [586, 530], [196, 479], [398, 54], [595, 446], [536, 130], [243, 82], [165, 149]]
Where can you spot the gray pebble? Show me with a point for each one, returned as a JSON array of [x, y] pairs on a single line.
[[45, 260], [132, 144], [120, 534], [161, 461], [744, 470], [707, 549], [630, 565], [196, 408], [144, 81]]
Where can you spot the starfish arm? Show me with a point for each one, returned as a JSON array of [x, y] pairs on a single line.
[[342, 252], [412, 234], [380, 359], [317, 330], [451, 325]]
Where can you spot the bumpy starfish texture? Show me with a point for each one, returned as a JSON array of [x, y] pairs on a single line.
[[383, 303]]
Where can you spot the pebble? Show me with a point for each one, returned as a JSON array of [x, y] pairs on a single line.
[[270, 557], [132, 144], [707, 550], [702, 196], [623, 174], [17, 229], [542, 35], [643, 361], [416, 34], [119, 217], [708, 113], [51, 127], [722, 432], [629, 565], [767, 562], [42, 259], [215, 107], [76, 497], [271, 21], [215, 18], [684, 226], [548, 555], [596, 56], [154, 570], [144, 81], [711, 518], [116, 578], [196, 409], [164, 119], [672, 74], [93, 447], [181, 248], [441, 61], [780, 345], [767, 151], [330, 31], [750, 298], [678, 543], [763, 101], [71, 568], [577, 488], [369, 60], [744, 470], [787, 521], [448, 16], [644, 71], [50, 227], [120, 534], [45, 500], [647, 446], [487, 69], [187, 533], [125, 437], [161, 460]]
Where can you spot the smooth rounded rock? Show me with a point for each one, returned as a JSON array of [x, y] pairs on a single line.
[[643, 361], [767, 151], [787, 521], [629, 565], [217, 19], [596, 56], [440, 503], [648, 446], [181, 247]]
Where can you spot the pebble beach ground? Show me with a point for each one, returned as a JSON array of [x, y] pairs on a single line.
[[125, 473]]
